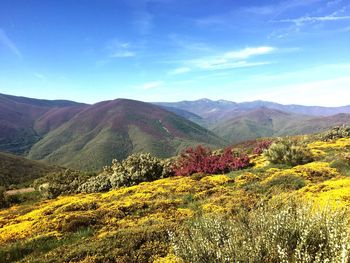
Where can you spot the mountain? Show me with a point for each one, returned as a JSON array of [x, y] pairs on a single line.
[[18, 117], [265, 122], [186, 114], [299, 109], [115, 129], [214, 111], [18, 170]]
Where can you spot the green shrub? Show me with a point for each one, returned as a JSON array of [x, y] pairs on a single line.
[[336, 133], [66, 182], [289, 151], [342, 164], [99, 183], [133, 170], [3, 202], [285, 183], [281, 233], [21, 198]]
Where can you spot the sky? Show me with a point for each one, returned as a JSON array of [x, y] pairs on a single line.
[[290, 51]]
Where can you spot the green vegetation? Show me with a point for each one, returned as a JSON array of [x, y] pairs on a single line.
[[15, 170], [336, 133], [137, 211], [63, 182], [280, 233], [135, 169], [289, 151]]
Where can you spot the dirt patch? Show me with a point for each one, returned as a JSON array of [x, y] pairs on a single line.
[[20, 191]]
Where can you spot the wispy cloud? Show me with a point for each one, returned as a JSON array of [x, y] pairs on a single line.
[[179, 70], [119, 49], [228, 60], [249, 52], [312, 19], [188, 43], [151, 85], [8, 43], [254, 12]]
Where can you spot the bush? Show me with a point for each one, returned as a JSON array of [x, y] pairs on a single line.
[[342, 164], [99, 183], [262, 146], [281, 233], [66, 182], [336, 133], [3, 202], [133, 170], [203, 160], [285, 182], [288, 151]]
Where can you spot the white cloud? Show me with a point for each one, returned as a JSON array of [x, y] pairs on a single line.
[[8, 43], [312, 19], [224, 64], [151, 85], [180, 70], [249, 52], [229, 60]]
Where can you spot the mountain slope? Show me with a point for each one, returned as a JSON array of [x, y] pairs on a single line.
[[17, 120], [264, 122], [19, 170], [115, 129]]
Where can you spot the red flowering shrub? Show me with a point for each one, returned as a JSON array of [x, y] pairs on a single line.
[[261, 146], [202, 160]]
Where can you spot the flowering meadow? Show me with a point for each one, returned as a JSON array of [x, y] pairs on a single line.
[[233, 205]]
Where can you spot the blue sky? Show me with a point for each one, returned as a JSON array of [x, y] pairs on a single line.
[[289, 51]]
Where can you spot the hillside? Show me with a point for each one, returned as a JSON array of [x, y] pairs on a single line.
[[196, 217], [264, 122], [116, 129], [18, 116], [19, 170]]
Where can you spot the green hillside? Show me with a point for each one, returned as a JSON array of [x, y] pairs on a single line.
[[19, 170], [115, 129]]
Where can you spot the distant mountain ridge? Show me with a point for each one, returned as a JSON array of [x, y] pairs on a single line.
[[265, 122], [88, 137], [207, 108]]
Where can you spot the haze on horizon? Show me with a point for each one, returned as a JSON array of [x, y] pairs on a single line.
[[290, 51]]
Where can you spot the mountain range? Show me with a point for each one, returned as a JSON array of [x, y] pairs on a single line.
[[88, 137]]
